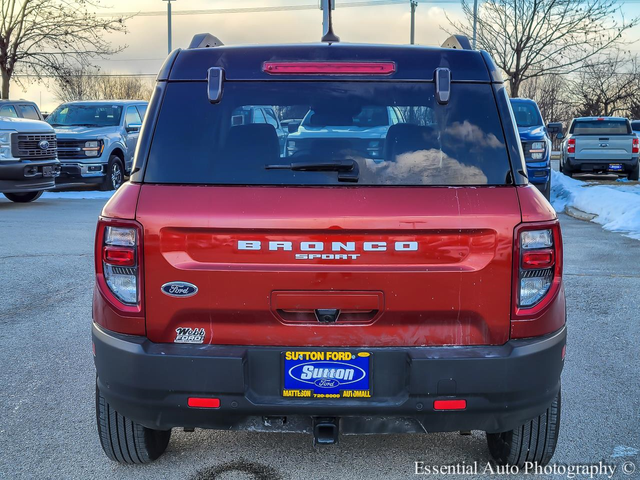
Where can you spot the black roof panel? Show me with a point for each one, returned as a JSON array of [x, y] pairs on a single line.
[[412, 62]]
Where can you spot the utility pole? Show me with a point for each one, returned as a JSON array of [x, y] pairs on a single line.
[[169, 22], [414, 4], [475, 22]]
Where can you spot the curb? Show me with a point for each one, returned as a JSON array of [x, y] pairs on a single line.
[[579, 214]]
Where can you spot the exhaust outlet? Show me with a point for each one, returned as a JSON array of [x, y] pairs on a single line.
[[325, 430]]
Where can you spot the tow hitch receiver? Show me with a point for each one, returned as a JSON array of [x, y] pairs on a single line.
[[325, 430]]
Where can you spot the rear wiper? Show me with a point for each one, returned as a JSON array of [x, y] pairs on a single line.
[[348, 170]]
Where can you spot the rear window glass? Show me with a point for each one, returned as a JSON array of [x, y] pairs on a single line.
[[395, 133], [635, 126], [600, 127]]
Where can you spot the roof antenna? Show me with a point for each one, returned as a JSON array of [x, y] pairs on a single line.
[[327, 23]]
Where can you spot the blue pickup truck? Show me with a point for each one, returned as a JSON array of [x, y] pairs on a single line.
[[536, 142]]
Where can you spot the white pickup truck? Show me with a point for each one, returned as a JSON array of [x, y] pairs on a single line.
[[600, 145], [28, 156]]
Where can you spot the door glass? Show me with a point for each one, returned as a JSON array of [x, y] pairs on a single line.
[[133, 117]]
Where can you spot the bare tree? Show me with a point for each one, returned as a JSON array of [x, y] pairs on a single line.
[[91, 84], [634, 108], [533, 38], [607, 85], [49, 37], [551, 93]]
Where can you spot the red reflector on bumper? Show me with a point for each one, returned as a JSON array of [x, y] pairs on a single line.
[[204, 402], [329, 68], [449, 404]]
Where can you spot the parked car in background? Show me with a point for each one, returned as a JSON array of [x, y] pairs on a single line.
[[20, 109], [600, 145], [28, 161], [96, 140], [362, 129], [536, 142]]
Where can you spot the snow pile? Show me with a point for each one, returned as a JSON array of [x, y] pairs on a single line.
[[616, 208], [80, 195]]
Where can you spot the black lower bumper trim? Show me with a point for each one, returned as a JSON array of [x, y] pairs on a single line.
[[504, 386], [601, 165], [28, 176]]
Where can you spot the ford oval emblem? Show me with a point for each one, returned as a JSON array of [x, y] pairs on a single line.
[[326, 383], [179, 289], [44, 145]]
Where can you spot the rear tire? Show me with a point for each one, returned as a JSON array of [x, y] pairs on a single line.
[[535, 441], [23, 197], [125, 441], [635, 173], [114, 174]]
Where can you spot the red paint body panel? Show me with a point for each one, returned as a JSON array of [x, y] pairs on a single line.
[[535, 208], [123, 204], [105, 315], [455, 289]]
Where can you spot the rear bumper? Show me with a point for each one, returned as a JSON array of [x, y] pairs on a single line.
[[91, 172], [504, 386], [600, 165], [28, 176]]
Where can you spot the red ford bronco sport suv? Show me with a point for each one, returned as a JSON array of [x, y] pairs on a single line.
[[328, 289]]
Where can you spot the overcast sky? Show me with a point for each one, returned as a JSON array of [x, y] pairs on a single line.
[[146, 39]]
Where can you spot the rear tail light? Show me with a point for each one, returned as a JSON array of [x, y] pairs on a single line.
[[635, 148], [571, 145], [119, 265], [537, 268], [118, 262]]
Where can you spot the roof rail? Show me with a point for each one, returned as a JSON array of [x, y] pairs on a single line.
[[205, 40], [460, 42]]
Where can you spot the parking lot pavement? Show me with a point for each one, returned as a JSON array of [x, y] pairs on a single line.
[[47, 427]]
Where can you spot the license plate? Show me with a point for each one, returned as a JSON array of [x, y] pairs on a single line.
[[326, 374], [47, 171], [615, 167]]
